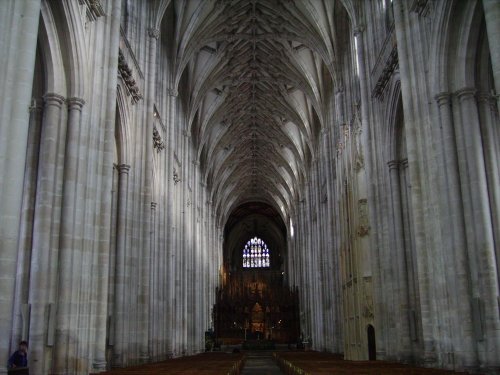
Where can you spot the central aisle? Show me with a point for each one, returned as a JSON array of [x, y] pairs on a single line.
[[260, 363]]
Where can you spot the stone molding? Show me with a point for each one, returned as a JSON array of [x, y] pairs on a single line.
[[465, 93], [158, 143], [172, 92], [126, 74], [421, 7], [36, 105], [154, 33], [403, 164], [443, 98], [358, 30], [123, 168], [393, 164], [175, 177], [486, 97], [53, 99], [386, 66], [94, 9], [75, 103]]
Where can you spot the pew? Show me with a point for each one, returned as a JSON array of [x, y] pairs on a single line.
[[201, 364], [316, 363]]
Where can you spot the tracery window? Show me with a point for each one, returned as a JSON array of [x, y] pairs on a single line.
[[256, 254]]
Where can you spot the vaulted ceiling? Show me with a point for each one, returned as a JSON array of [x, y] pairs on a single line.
[[256, 77]]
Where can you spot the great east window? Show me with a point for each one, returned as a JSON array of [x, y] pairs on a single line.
[[256, 254]]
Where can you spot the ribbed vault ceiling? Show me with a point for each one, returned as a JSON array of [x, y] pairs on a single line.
[[256, 77]]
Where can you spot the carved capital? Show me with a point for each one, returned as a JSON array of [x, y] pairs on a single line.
[[443, 98], [393, 164], [484, 97], [154, 33], [404, 164], [94, 9], [465, 93], [36, 105], [158, 143], [127, 75], [176, 177], [358, 30], [359, 162], [363, 231], [172, 92], [123, 168], [75, 103], [53, 99]]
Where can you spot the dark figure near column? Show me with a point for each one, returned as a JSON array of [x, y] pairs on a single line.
[[18, 361]]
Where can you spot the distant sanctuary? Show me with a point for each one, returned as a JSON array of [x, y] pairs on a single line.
[[319, 171]]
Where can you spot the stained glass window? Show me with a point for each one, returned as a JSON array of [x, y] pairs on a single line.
[[255, 254]]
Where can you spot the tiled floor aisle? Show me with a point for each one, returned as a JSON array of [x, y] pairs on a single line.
[[260, 363]]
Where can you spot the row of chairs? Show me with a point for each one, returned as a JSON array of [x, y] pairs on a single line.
[[316, 363], [201, 364]]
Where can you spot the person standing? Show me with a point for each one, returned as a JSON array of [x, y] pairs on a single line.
[[19, 358]]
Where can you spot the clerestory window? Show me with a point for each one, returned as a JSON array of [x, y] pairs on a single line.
[[256, 254]]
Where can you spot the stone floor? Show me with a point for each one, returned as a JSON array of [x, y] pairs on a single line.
[[260, 363]]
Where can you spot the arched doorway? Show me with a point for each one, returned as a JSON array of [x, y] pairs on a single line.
[[372, 348]]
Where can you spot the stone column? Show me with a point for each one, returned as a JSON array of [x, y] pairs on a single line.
[[18, 37], [492, 16], [21, 307], [479, 230], [121, 287], [144, 308], [184, 247], [453, 231], [70, 245], [171, 225], [399, 281], [490, 135], [154, 266], [104, 254], [409, 254], [43, 256], [414, 114]]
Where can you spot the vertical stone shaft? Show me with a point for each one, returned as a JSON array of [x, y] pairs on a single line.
[[144, 308], [70, 245], [20, 323], [454, 227], [490, 136], [171, 226], [106, 247], [492, 16], [18, 38], [44, 221], [398, 255], [121, 313], [480, 232], [412, 126]]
